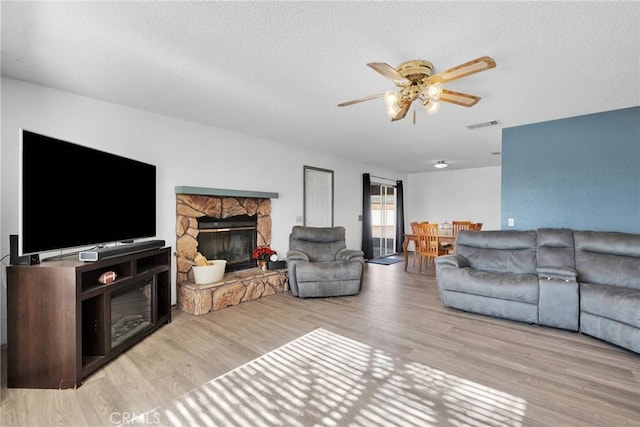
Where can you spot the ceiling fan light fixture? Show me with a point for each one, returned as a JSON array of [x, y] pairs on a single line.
[[434, 91], [441, 164], [391, 97], [431, 106], [414, 81], [393, 110], [392, 101]]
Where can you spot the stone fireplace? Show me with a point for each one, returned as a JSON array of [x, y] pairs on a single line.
[[223, 224], [227, 227]]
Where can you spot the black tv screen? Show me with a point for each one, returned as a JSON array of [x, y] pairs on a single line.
[[73, 196]]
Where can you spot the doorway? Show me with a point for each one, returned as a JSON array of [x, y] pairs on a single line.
[[383, 219]]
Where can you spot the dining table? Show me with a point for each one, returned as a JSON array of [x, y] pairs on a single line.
[[444, 236]]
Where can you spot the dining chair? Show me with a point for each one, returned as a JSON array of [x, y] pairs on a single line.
[[428, 244], [455, 227], [414, 231], [475, 226], [460, 225]]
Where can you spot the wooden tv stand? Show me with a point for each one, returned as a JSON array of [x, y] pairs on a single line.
[[59, 316]]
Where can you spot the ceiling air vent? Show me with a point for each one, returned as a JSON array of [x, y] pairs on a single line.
[[483, 124]]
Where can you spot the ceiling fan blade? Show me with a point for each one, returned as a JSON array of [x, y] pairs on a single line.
[[389, 72], [459, 98], [356, 101], [403, 111], [463, 70]]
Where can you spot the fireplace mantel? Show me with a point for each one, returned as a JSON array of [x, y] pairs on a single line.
[[223, 192]]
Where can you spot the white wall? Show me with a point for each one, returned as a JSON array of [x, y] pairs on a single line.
[[467, 194], [185, 153]]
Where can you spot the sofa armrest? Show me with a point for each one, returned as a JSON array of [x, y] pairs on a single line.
[[349, 255], [559, 297], [566, 274], [456, 261], [296, 255]]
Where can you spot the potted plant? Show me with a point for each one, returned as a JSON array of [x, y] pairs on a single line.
[[261, 255]]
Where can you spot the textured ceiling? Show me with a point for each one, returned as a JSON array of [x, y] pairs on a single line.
[[276, 70]]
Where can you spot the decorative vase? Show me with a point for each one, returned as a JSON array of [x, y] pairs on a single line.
[[262, 264]]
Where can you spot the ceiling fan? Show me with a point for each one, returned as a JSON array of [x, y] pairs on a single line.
[[415, 82]]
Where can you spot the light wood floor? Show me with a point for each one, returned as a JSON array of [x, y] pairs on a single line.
[[565, 378]]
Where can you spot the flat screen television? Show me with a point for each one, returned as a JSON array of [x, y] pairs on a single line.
[[72, 196]]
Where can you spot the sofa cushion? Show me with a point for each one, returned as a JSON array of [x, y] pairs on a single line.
[[495, 307], [613, 302], [499, 251], [608, 258], [555, 248], [512, 287]]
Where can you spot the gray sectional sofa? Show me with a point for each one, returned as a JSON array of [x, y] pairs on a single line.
[[577, 280], [608, 266]]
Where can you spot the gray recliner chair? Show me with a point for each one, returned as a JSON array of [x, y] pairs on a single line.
[[320, 265]]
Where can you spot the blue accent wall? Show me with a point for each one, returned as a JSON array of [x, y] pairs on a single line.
[[581, 173]]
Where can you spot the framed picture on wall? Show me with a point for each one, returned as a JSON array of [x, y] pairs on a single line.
[[318, 197]]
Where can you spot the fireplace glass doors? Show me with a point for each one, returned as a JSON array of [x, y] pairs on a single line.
[[130, 311], [232, 239]]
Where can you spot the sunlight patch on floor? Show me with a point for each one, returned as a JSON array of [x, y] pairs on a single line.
[[325, 379]]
